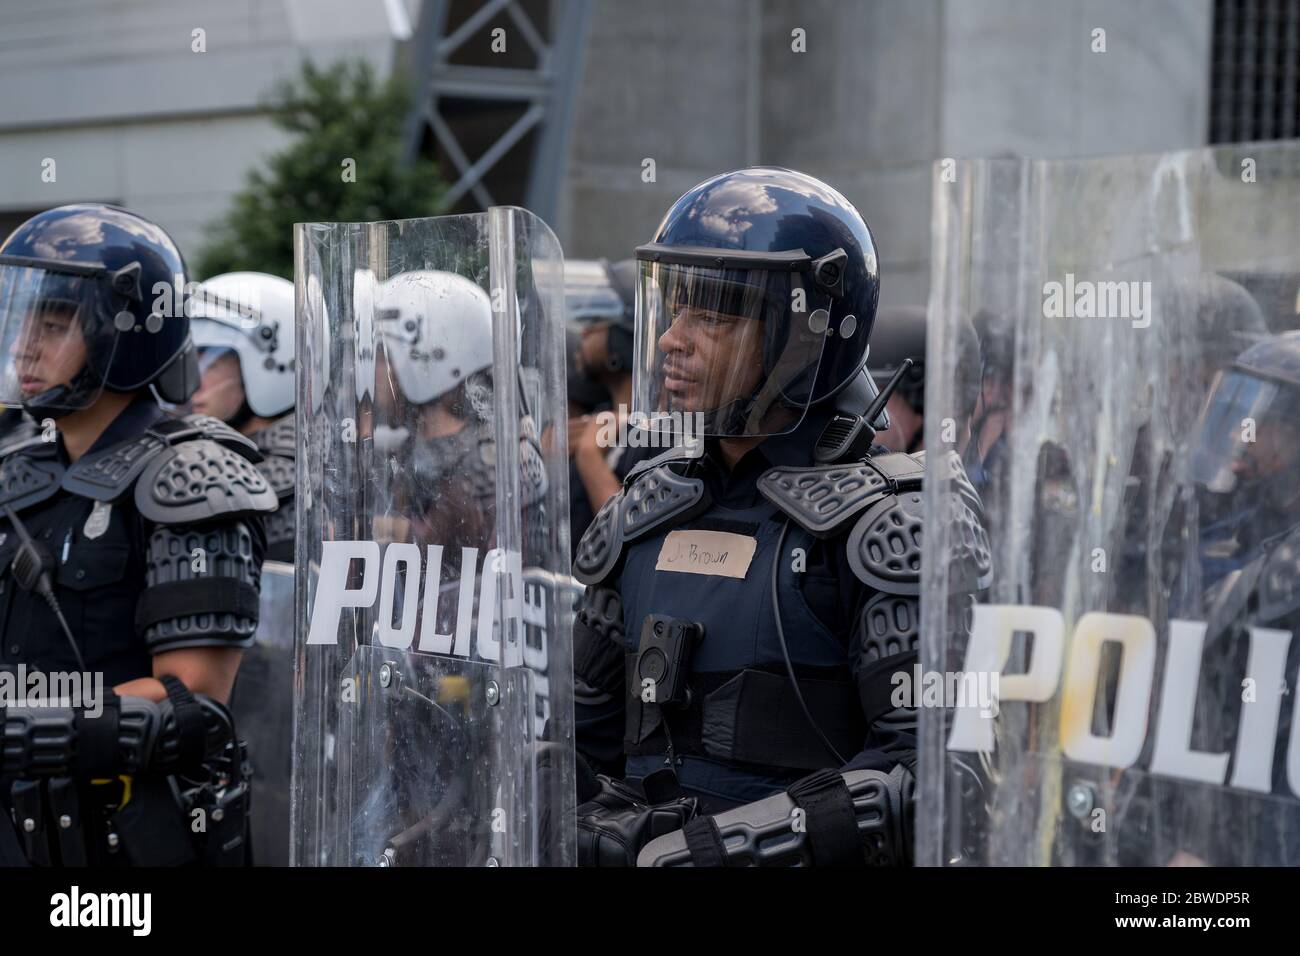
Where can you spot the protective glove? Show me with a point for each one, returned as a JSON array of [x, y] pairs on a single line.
[[618, 820]]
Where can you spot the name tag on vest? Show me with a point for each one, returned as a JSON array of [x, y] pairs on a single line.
[[719, 553]]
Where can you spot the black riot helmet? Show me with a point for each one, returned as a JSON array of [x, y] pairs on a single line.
[[755, 302], [622, 328], [92, 297], [1249, 435]]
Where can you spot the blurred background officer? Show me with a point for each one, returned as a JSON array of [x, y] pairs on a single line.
[[130, 545], [600, 386], [1246, 455], [243, 327], [742, 620], [434, 401], [985, 454], [1247, 460], [900, 334]]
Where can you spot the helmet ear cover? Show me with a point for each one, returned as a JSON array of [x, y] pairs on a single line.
[[828, 273], [126, 281]]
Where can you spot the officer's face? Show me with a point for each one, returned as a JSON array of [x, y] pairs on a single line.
[[221, 389], [593, 350], [710, 358], [1272, 454], [49, 351]]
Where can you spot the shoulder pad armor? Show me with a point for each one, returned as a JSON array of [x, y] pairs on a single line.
[[278, 444], [884, 547], [601, 545], [280, 473], [30, 472], [532, 472], [677, 454], [1279, 581], [200, 480], [107, 475], [279, 438], [823, 499], [903, 470], [650, 499], [970, 567], [205, 426], [954, 471]]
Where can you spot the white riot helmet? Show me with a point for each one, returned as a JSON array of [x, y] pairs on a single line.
[[251, 313], [437, 331]]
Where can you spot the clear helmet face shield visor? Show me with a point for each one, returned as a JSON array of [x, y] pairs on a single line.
[[44, 348], [210, 355], [1249, 440], [221, 392], [726, 351]]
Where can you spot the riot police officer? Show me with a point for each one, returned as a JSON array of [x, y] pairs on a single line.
[[242, 324], [130, 547], [1246, 458], [1253, 466], [434, 395], [747, 607]]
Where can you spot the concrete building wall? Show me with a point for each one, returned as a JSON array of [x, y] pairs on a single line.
[[115, 93], [883, 90]]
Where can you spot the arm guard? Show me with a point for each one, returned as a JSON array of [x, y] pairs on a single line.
[[858, 818], [599, 701], [202, 586], [598, 646], [131, 735], [279, 466], [206, 501]]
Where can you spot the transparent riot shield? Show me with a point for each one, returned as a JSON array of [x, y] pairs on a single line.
[[1136, 646], [262, 706], [433, 667]]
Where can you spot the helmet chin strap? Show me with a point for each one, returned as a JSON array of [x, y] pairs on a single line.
[[63, 399], [241, 417], [728, 421]]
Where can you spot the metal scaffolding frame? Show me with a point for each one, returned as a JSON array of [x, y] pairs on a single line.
[[547, 91]]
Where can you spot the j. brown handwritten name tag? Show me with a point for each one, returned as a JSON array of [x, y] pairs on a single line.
[[707, 552]]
